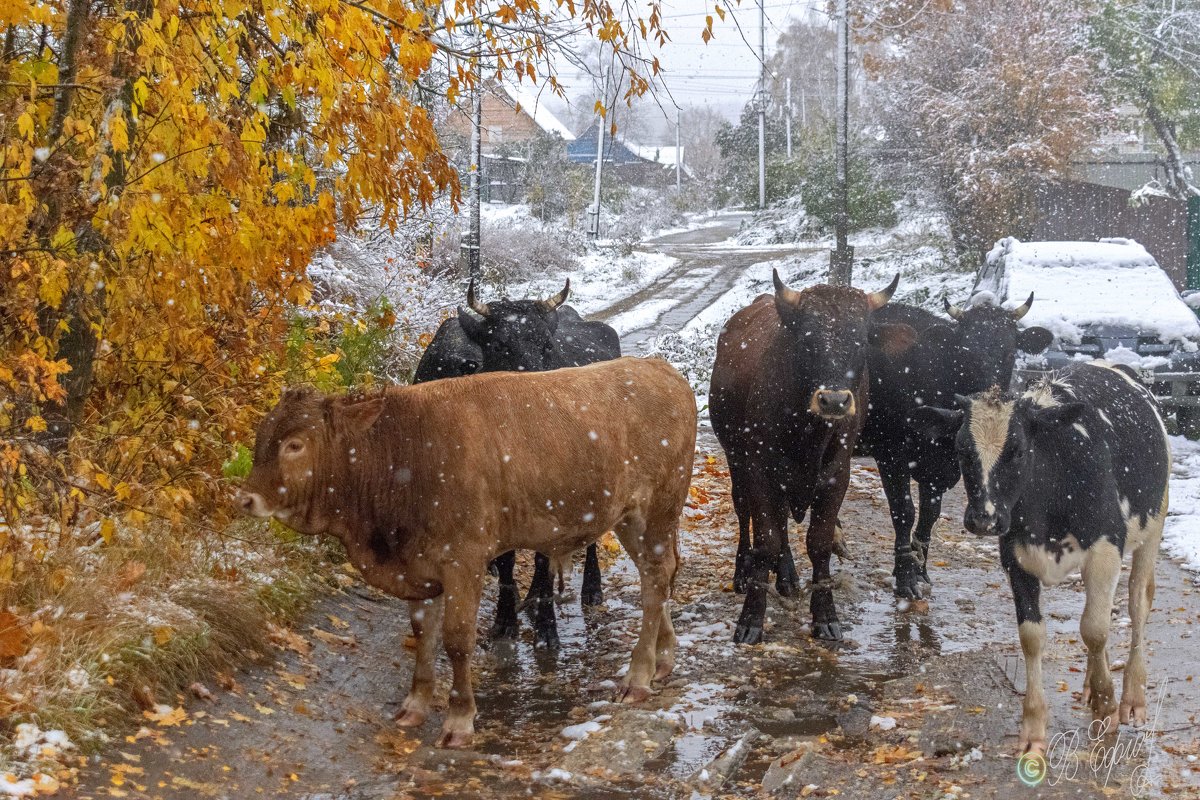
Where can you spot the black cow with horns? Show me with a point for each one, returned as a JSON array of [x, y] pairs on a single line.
[[974, 350], [522, 336]]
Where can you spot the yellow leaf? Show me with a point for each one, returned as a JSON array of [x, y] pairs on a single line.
[[166, 716], [118, 133], [108, 530], [25, 126], [36, 424], [163, 634]]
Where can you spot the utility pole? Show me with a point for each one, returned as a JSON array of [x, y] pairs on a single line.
[[678, 155], [762, 104], [471, 242], [841, 259], [594, 211], [787, 119]]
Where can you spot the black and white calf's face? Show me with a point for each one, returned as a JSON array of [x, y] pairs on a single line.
[[997, 438]]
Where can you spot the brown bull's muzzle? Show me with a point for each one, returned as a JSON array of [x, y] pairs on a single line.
[[252, 503], [832, 404]]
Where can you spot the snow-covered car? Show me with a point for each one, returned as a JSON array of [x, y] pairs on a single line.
[[1107, 299]]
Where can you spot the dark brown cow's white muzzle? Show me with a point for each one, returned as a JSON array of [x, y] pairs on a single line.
[[832, 404]]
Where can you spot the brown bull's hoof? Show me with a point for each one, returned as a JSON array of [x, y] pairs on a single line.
[[504, 630], [455, 740], [748, 634], [908, 587], [629, 695], [829, 631], [410, 718]]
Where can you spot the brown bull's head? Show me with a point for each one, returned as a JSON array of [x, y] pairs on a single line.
[[830, 328], [303, 451]]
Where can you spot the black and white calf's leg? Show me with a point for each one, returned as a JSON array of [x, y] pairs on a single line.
[[1101, 572], [1141, 598], [1032, 630]]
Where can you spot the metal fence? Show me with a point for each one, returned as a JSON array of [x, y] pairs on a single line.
[[1075, 211]]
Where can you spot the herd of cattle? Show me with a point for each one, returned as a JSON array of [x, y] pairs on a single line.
[[526, 429]]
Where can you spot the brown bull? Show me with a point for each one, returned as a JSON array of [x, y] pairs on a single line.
[[788, 399], [425, 484]]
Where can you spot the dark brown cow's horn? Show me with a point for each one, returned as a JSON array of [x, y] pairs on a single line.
[[954, 311], [783, 291], [877, 300], [557, 300], [479, 308], [1023, 309]]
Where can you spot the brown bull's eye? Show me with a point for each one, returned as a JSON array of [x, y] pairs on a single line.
[[293, 447]]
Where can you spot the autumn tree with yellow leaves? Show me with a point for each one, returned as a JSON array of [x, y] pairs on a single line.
[[169, 170]]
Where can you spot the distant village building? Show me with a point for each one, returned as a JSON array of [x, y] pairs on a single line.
[[638, 164], [513, 118]]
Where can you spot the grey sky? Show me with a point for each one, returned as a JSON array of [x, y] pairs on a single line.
[[721, 74]]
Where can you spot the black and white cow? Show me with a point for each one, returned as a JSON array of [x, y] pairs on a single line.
[[1069, 475]]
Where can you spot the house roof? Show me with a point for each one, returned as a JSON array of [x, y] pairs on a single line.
[[531, 104]]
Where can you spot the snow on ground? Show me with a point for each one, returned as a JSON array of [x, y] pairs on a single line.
[[1181, 535]]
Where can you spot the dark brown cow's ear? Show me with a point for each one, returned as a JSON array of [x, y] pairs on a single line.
[[356, 416], [893, 338]]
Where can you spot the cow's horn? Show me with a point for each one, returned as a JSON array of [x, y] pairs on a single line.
[[557, 300], [479, 308], [877, 300], [1023, 309], [783, 291], [954, 311]]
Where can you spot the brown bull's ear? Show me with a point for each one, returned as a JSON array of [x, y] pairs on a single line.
[[355, 416], [893, 338]]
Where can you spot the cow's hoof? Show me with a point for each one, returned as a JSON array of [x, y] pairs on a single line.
[[630, 695], [908, 588], [1028, 747], [1133, 714], [546, 639], [410, 718], [504, 630], [829, 631], [786, 588], [748, 634], [663, 669], [455, 740], [591, 597]]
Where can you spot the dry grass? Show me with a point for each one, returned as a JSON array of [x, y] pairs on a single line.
[[112, 629]]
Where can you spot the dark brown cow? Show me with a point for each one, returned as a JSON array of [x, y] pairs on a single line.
[[425, 484], [787, 402]]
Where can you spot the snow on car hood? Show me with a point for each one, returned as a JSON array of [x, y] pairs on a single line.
[[1111, 282]]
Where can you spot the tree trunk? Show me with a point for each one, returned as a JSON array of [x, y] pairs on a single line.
[[1176, 184]]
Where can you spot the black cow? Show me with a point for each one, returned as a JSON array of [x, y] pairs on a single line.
[[788, 399], [522, 336], [1069, 475], [972, 351]]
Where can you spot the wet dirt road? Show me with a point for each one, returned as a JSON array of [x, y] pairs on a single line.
[[708, 267], [788, 718]]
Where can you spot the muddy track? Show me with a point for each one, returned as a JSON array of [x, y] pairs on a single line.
[[311, 720]]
